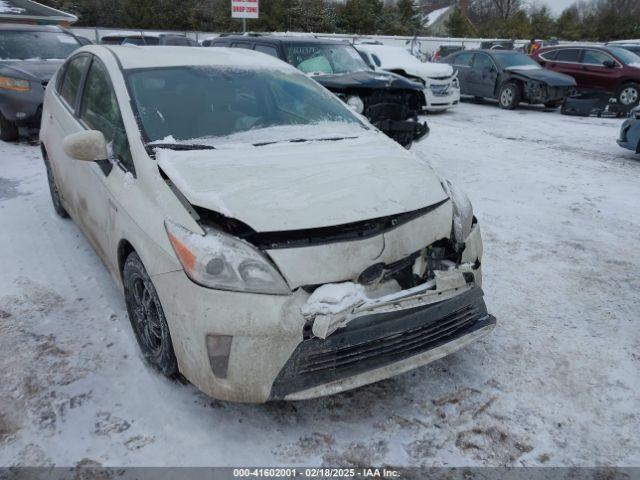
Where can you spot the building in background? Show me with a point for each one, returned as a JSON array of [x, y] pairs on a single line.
[[26, 11]]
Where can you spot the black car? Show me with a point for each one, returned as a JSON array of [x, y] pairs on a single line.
[[29, 56], [510, 77], [389, 101]]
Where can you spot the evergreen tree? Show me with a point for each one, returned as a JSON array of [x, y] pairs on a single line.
[[457, 25]]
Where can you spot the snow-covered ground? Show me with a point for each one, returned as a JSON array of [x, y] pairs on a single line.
[[557, 383]]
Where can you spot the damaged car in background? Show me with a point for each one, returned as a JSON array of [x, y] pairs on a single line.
[[274, 247], [390, 102], [509, 77], [440, 85]]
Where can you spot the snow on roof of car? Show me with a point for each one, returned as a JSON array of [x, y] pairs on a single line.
[[386, 52], [131, 56]]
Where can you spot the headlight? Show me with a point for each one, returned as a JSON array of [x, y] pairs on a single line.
[[462, 212], [15, 84], [355, 103], [220, 261]]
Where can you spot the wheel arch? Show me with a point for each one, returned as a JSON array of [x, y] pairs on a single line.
[[125, 248]]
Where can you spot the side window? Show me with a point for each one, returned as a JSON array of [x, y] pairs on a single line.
[[595, 57], [568, 55], [242, 45], [70, 82], [550, 56], [482, 62], [267, 49], [462, 60], [376, 60], [100, 111]]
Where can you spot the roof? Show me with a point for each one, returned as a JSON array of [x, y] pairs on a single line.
[[18, 27], [28, 10], [280, 39], [131, 56]]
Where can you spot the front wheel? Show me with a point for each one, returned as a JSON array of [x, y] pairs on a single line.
[[55, 194], [509, 97], [147, 317], [8, 130], [629, 94]]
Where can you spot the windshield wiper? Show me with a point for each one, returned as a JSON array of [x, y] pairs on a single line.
[[150, 147], [303, 140]]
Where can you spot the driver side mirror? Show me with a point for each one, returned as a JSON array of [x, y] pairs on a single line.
[[609, 64], [88, 146]]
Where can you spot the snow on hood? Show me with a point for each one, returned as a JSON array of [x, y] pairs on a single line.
[[398, 58], [293, 186]]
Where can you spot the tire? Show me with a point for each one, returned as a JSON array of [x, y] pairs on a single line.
[[53, 189], [509, 97], [8, 130], [629, 94], [147, 317]]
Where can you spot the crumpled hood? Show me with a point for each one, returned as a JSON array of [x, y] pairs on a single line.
[[294, 186], [366, 79], [424, 70], [551, 78], [39, 70]]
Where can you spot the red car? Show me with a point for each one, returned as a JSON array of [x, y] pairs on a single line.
[[596, 68]]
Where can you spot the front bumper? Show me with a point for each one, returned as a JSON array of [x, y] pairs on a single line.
[[441, 97], [270, 347], [358, 353], [630, 135], [23, 108]]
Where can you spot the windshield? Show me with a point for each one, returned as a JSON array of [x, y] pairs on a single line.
[[36, 45], [187, 103], [626, 56], [324, 59]]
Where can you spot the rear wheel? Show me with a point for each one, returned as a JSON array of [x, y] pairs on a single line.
[[8, 130], [147, 317], [629, 94], [509, 97]]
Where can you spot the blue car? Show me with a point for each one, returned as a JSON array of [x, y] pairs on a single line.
[[630, 132]]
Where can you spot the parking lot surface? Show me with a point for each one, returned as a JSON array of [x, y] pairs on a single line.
[[557, 383]]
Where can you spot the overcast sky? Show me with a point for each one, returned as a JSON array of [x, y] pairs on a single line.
[[557, 6]]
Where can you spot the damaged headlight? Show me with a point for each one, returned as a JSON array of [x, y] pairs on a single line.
[[355, 103], [462, 212], [220, 261]]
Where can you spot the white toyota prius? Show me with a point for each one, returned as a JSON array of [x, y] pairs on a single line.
[[269, 242]]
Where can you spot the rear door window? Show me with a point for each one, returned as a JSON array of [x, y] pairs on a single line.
[[100, 111], [70, 83], [571, 55], [268, 49]]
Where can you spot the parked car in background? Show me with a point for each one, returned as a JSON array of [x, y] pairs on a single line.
[[440, 85], [389, 101], [631, 45], [630, 132], [29, 56], [269, 243], [607, 69], [444, 51], [163, 39], [510, 77]]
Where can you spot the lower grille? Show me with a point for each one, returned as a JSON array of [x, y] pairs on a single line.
[[374, 341]]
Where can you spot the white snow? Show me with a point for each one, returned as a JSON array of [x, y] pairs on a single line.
[[435, 15], [334, 298], [6, 7], [556, 384]]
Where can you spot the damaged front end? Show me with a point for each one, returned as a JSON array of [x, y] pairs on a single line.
[[395, 113]]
